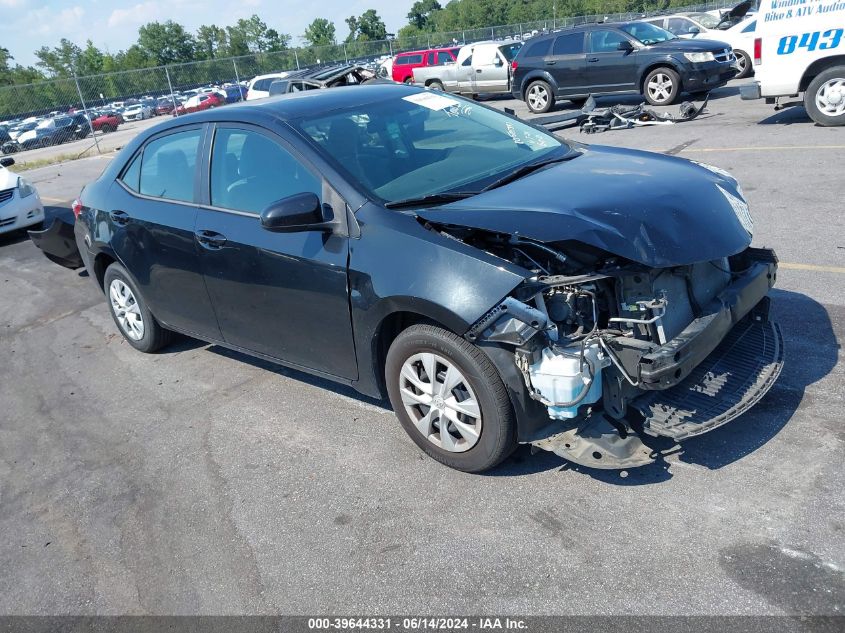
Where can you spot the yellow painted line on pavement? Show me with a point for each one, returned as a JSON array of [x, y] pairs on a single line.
[[812, 267], [772, 148]]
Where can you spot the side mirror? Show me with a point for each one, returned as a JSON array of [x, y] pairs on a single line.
[[694, 30], [7, 161], [625, 45], [294, 214]]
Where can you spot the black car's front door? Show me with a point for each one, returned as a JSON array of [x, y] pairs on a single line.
[[150, 227], [610, 69], [284, 295], [566, 63]]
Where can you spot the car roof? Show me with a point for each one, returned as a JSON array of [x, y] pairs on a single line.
[[586, 27], [293, 106]]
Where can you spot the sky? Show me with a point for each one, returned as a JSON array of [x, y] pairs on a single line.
[[26, 25]]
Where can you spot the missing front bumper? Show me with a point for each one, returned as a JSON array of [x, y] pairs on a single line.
[[58, 243], [732, 379]]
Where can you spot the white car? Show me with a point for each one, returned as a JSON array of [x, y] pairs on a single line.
[[741, 38], [259, 87], [20, 204], [137, 112]]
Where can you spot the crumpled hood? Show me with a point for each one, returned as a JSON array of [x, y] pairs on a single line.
[[650, 208]]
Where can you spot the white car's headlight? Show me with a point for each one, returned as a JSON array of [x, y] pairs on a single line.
[[740, 208], [698, 58], [25, 188]]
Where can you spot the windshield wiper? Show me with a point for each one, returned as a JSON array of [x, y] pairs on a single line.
[[432, 198], [524, 170]]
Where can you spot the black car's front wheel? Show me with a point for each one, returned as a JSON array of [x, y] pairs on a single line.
[[450, 399], [130, 312], [539, 97], [661, 86]]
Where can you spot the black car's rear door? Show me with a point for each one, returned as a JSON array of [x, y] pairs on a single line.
[[566, 63], [149, 225], [284, 295], [608, 68]]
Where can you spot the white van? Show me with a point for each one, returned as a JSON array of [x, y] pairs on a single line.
[[799, 46], [259, 87]]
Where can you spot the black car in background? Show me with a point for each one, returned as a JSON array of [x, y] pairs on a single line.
[[419, 247], [64, 128], [613, 58]]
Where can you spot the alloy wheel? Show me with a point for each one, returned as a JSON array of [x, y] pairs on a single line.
[[126, 309], [830, 97], [538, 97], [660, 87], [440, 402]]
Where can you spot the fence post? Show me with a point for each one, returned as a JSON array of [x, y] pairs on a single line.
[[345, 56], [520, 30], [170, 86], [492, 35], [390, 46], [296, 57], [464, 40], [237, 80], [428, 38], [85, 110]]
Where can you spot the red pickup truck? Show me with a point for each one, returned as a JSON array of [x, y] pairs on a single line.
[[404, 63]]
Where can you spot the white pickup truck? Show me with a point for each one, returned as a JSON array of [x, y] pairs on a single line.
[[481, 68], [799, 47]]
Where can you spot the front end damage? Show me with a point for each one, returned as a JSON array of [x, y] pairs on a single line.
[[618, 353]]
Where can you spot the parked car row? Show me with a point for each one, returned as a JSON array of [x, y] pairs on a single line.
[[594, 59]]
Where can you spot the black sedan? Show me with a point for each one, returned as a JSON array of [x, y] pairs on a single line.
[[498, 284]]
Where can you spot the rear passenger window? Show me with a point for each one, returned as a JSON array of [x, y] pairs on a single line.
[[537, 49], [569, 44], [249, 171], [168, 165], [430, 61], [414, 59], [401, 61]]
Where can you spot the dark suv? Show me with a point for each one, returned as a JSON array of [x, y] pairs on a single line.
[[610, 58]]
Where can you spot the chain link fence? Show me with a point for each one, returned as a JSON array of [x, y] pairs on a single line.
[[100, 91]]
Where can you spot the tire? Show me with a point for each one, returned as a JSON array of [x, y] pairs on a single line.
[[435, 85], [152, 336], [824, 98], [539, 97], [743, 61], [662, 86], [483, 441], [408, 80]]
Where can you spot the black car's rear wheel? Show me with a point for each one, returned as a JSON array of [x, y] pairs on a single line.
[[450, 399], [130, 312], [539, 97], [661, 86]]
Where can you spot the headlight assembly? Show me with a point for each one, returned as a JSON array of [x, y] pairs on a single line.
[[25, 188], [740, 208], [698, 58]]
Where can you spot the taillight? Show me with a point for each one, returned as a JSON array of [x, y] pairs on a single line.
[[758, 51], [514, 65], [76, 207]]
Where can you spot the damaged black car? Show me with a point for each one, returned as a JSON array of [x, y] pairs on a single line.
[[498, 284]]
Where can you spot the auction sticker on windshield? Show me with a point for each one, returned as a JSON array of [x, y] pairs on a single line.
[[431, 101]]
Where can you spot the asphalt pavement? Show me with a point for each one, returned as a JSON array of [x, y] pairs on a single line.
[[199, 480]]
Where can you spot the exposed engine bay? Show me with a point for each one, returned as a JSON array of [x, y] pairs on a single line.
[[618, 352]]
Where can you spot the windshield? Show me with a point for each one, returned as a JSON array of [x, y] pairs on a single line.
[[647, 33], [704, 19], [425, 143]]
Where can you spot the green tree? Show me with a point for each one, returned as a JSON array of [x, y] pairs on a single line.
[[366, 28], [166, 42], [211, 41], [421, 14], [252, 35], [60, 61], [320, 32]]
